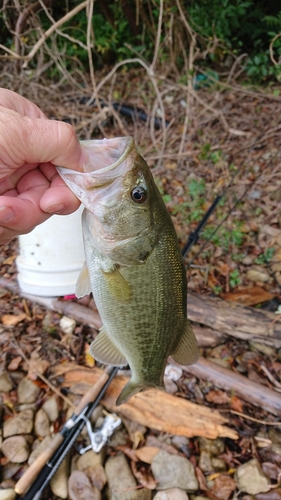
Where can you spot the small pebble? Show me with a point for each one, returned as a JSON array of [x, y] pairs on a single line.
[[80, 488], [6, 384], [97, 476], [51, 408], [172, 471], [171, 494], [41, 424], [21, 423], [16, 449], [27, 391], [67, 325], [8, 494], [251, 478], [89, 459], [59, 483]]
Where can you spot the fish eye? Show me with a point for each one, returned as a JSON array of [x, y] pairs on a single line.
[[138, 194]]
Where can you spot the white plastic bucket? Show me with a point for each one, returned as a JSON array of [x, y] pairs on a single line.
[[51, 256]]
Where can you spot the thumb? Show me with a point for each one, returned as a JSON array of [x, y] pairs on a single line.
[[37, 140]]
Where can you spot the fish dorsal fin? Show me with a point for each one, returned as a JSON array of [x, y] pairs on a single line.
[[186, 352], [83, 285], [103, 350], [117, 285]]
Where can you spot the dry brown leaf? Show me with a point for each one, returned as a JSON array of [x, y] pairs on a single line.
[[249, 296], [258, 275], [223, 486], [135, 431], [236, 404], [146, 453], [270, 231], [201, 479], [9, 260], [161, 445], [37, 366], [89, 360], [14, 363], [171, 165], [129, 452], [271, 470], [218, 397], [270, 495], [12, 319], [144, 477]]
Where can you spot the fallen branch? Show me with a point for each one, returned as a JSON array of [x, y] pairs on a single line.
[[69, 308], [251, 392], [235, 320]]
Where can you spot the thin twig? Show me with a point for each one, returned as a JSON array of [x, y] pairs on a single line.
[[264, 422], [157, 41], [41, 376], [271, 49], [51, 30]]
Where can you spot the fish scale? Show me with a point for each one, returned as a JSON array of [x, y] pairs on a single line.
[[133, 267]]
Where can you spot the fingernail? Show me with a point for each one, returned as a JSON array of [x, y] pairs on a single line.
[[6, 215], [54, 209]]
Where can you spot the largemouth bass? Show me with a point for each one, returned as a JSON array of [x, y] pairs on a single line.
[[133, 265]]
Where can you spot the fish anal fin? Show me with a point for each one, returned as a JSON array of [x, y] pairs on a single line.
[[117, 285], [132, 388], [103, 350], [83, 285], [186, 352]]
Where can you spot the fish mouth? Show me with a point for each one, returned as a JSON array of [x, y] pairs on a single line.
[[105, 161], [106, 154]]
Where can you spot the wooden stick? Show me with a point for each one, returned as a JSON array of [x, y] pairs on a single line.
[[233, 319], [252, 392]]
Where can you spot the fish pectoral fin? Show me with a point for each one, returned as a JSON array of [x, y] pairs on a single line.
[[103, 350], [117, 285], [186, 352], [83, 285]]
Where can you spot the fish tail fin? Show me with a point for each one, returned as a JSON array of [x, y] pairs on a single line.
[[132, 388]]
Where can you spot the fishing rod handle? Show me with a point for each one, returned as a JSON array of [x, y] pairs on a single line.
[[92, 393], [33, 470]]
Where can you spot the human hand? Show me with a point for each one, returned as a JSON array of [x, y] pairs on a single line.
[[30, 145]]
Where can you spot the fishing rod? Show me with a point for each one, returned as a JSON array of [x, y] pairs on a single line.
[[45, 466]]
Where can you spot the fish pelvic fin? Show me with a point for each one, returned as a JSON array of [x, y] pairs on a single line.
[[83, 285], [186, 352], [132, 388], [103, 350]]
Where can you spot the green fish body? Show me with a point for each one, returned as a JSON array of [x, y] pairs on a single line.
[[133, 265]]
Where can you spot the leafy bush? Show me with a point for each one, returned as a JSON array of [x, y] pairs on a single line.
[[123, 28]]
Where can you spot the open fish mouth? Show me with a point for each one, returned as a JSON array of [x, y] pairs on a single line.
[[106, 161], [106, 154]]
